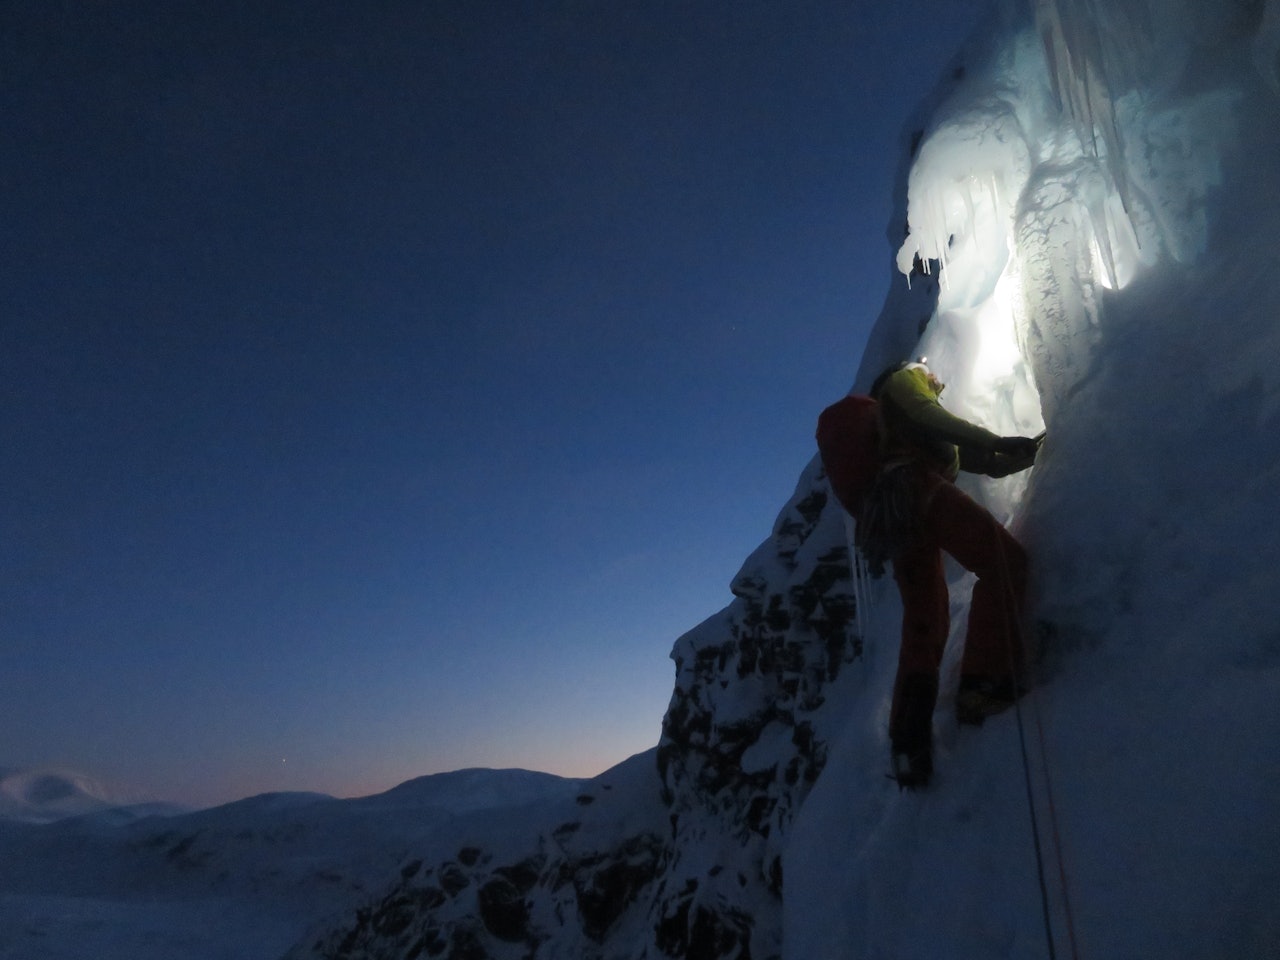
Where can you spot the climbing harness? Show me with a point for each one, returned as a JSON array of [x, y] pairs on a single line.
[[888, 521]]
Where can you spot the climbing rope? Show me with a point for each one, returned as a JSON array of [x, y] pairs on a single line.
[[1057, 834], [1011, 603], [1035, 830]]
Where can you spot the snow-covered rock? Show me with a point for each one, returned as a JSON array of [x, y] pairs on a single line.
[[559, 877], [677, 852]]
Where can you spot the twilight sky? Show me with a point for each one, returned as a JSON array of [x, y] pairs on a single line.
[[385, 386]]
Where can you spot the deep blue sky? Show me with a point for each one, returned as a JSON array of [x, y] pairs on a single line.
[[386, 386]]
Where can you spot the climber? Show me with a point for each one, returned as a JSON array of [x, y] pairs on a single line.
[[923, 448]]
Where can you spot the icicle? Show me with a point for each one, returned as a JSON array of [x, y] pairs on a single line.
[[1091, 51], [970, 208], [940, 234], [1100, 218], [862, 593], [858, 573]]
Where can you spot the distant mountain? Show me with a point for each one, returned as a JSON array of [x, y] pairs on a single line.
[[80, 878], [477, 788], [50, 794]]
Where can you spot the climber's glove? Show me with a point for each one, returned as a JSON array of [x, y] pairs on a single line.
[[1017, 448]]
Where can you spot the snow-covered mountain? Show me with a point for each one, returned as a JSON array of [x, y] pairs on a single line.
[[46, 795], [247, 879], [1092, 202]]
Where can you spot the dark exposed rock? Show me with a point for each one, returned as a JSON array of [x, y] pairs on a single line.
[[503, 910], [410, 870], [394, 916], [453, 879], [694, 932], [563, 832], [466, 944], [428, 898], [607, 886], [433, 943], [523, 875]]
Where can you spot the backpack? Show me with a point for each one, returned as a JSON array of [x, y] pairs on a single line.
[[849, 442]]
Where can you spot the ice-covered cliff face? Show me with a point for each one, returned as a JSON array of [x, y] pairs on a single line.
[[1099, 201], [1091, 207]]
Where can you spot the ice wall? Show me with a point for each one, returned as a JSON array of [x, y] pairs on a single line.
[[1092, 203], [1077, 154]]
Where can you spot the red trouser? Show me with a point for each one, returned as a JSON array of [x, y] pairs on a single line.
[[993, 646]]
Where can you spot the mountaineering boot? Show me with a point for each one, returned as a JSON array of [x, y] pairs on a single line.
[[911, 732], [912, 769], [979, 698]]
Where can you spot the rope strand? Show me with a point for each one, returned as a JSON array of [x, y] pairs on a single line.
[[1035, 832], [1057, 836], [1010, 604]]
